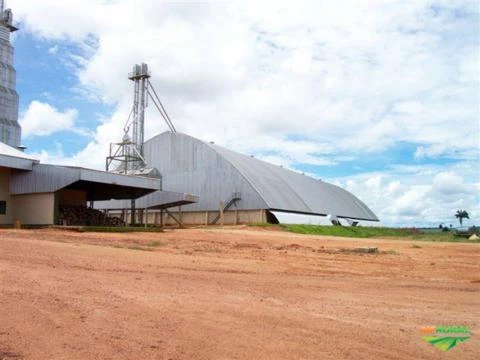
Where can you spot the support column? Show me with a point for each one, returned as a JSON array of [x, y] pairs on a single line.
[[182, 226], [132, 212], [222, 218]]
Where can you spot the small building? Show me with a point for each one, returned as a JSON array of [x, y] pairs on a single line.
[[33, 193]]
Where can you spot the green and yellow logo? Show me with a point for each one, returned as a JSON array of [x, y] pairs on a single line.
[[445, 337]]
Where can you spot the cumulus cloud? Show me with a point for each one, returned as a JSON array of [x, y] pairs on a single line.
[[424, 195], [42, 119], [351, 79]]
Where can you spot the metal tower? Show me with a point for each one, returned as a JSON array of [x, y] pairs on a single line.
[[10, 130], [129, 152], [127, 156], [139, 76]]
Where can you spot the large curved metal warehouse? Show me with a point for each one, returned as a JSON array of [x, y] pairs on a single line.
[[248, 188]]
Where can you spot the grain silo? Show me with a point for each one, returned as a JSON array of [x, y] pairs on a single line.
[[10, 131]]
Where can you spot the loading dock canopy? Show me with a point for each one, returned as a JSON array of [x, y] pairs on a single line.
[[156, 200], [98, 185]]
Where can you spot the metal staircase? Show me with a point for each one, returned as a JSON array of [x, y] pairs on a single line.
[[232, 200]]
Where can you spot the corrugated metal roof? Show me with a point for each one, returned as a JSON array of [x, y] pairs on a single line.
[[99, 185], [287, 190], [189, 165], [156, 200], [15, 159], [182, 161]]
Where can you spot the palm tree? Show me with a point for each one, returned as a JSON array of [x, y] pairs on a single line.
[[460, 215]]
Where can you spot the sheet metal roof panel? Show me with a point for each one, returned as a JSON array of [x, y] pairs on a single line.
[[156, 200], [42, 178], [7, 150], [51, 178], [14, 158], [15, 163], [325, 198], [263, 177], [190, 165], [287, 190]]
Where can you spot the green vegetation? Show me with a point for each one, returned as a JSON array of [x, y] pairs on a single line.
[[348, 231], [118, 229], [462, 214], [374, 232]]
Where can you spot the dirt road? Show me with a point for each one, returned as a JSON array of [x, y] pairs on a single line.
[[235, 293]]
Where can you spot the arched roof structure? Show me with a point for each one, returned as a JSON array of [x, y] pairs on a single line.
[[215, 173]]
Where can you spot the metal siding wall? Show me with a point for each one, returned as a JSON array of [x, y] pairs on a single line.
[[50, 178], [43, 178], [5, 196]]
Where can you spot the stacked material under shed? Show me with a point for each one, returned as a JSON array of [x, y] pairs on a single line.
[[81, 215]]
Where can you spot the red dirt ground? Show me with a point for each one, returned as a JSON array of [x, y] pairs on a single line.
[[231, 293]]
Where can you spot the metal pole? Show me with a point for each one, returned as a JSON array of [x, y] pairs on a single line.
[[132, 212]]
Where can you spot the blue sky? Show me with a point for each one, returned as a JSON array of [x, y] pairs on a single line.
[[381, 98]]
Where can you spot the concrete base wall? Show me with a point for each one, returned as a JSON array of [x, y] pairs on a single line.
[[34, 209], [5, 219], [230, 217]]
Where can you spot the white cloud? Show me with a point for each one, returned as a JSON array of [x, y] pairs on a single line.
[[419, 195], [447, 183], [357, 77], [53, 50], [42, 119]]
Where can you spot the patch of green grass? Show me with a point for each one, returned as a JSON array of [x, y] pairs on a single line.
[[374, 232], [348, 231], [441, 237], [118, 229]]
